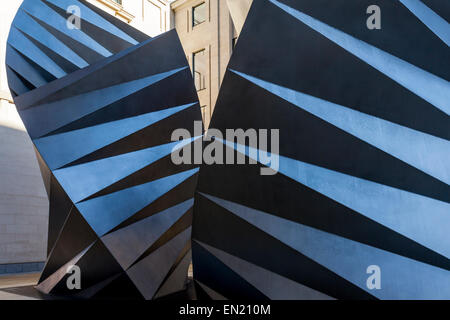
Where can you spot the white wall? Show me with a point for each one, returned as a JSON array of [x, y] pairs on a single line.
[[23, 200], [151, 16]]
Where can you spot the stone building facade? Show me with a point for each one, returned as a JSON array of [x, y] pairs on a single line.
[[207, 33]]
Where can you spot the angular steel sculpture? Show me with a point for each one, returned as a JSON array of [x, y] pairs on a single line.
[[100, 104], [364, 170]]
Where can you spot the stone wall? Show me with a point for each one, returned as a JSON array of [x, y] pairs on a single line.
[[23, 200], [215, 36]]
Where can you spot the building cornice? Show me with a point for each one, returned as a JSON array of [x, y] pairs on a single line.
[[164, 2], [118, 9], [5, 95], [125, 15], [178, 4]]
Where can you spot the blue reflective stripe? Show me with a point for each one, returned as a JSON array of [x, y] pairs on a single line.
[[61, 149], [427, 153], [17, 63], [401, 278], [97, 175], [41, 11], [433, 21], [105, 213], [92, 17], [76, 107], [424, 84], [273, 285], [27, 25], [425, 220], [144, 233], [18, 41]]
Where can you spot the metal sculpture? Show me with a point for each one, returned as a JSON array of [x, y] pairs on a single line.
[[359, 208], [100, 103]]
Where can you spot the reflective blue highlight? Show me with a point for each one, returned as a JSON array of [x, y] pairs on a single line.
[[41, 11], [76, 107], [272, 285], [424, 84], [75, 144], [145, 233], [105, 213], [30, 27], [425, 220], [18, 41], [99, 174], [427, 153], [22, 67], [92, 17], [433, 21], [401, 278]]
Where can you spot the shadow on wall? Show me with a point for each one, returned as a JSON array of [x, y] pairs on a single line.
[[23, 204]]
